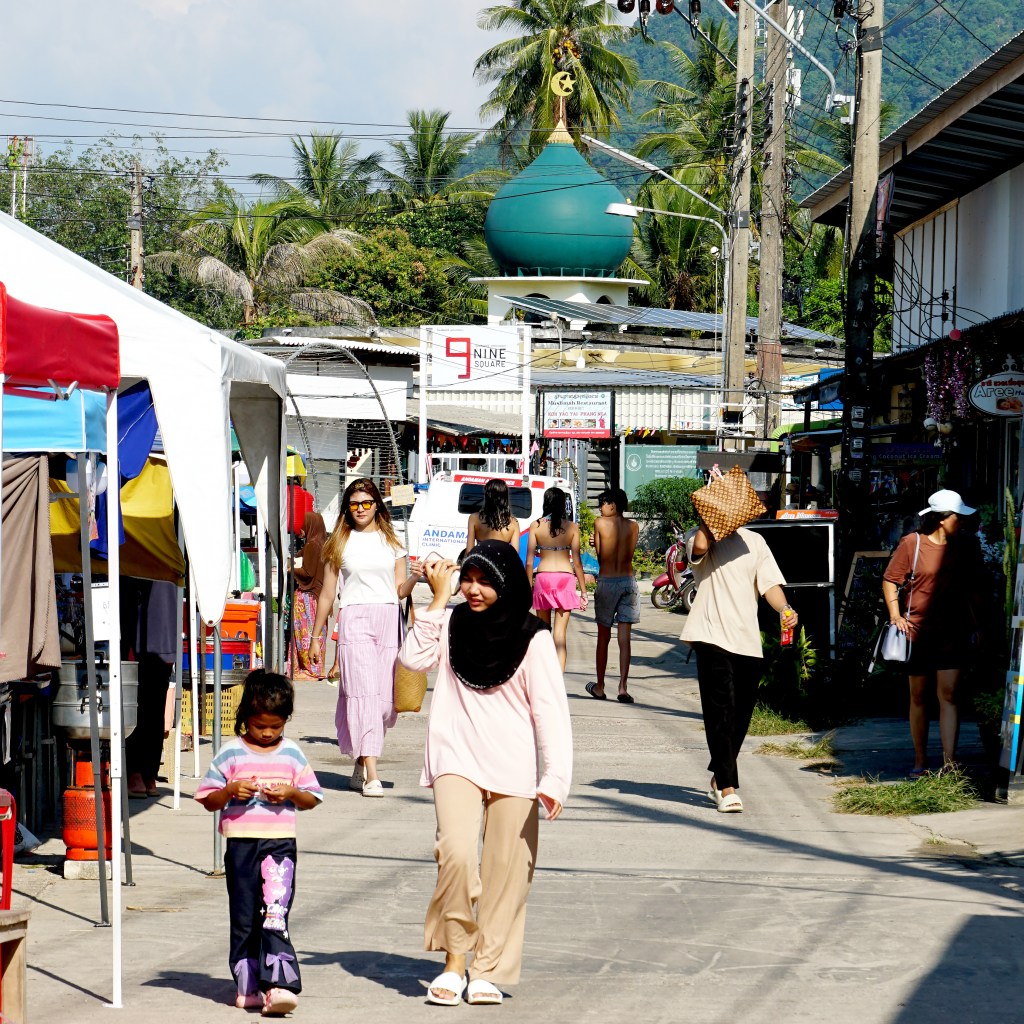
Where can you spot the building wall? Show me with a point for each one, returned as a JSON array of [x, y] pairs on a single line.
[[972, 250]]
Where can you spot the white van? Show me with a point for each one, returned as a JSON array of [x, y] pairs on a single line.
[[439, 523]]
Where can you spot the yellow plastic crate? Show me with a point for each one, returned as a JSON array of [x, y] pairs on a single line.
[[230, 698]]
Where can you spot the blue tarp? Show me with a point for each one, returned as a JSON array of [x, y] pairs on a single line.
[[39, 425], [136, 430]]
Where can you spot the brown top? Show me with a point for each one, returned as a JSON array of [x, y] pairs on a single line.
[[310, 575], [944, 583]]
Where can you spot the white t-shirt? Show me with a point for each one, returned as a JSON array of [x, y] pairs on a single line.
[[368, 569], [731, 577]]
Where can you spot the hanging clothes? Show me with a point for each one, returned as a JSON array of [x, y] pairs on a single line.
[[29, 642]]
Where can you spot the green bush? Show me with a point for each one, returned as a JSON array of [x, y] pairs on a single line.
[[587, 519], [667, 501]]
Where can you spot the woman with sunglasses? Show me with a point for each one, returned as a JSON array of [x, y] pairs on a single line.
[[363, 548]]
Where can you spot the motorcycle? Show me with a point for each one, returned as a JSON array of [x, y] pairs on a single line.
[[676, 585]]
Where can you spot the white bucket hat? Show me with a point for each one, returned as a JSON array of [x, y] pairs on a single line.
[[947, 501]]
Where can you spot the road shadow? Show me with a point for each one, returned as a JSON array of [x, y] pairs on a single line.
[[653, 791], [408, 976], [210, 989], [978, 977]]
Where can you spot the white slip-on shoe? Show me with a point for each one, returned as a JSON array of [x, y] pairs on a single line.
[[373, 787], [483, 993], [449, 981], [730, 804], [358, 777]]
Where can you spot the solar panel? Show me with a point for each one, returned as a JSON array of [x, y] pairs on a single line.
[[657, 319]]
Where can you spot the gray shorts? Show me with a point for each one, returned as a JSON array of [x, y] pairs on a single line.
[[617, 599]]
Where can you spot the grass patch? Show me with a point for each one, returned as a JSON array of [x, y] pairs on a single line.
[[931, 794], [766, 722], [822, 750]]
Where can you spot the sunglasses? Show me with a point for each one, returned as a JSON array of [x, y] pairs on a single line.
[[364, 505]]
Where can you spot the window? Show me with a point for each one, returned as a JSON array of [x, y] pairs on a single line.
[[471, 499]]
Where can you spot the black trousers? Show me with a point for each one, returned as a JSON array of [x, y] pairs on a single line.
[[261, 886], [728, 691]]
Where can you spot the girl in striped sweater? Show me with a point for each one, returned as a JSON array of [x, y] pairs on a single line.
[[257, 781]]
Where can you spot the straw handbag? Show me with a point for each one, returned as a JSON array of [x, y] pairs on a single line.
[[727, 503], [410, 686]]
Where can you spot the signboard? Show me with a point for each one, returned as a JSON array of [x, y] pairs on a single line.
[[647, 462], [906, 454], [474, 358], [1001, 394], [577, 414], [804, 513]]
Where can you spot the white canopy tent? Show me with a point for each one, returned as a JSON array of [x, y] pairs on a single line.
[[197, 377]]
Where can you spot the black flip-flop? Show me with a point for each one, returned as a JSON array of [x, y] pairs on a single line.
[[624, 698], [590, 687]]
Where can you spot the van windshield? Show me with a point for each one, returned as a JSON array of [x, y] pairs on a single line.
[[471, 499]]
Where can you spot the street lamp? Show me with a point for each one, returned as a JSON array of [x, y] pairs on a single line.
[[645, 165], [629, 210]]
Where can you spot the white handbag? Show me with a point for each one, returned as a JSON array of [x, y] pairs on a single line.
[[893, 645]]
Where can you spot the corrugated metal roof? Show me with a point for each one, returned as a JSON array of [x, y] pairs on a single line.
[[656, 319], [970, 134], [321, 348]]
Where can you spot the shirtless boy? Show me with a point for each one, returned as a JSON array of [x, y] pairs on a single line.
[[617, 600]]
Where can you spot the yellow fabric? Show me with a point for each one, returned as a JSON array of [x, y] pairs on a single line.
[[150, 550]]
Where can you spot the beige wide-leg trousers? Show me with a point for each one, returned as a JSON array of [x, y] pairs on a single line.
[[497, 882]]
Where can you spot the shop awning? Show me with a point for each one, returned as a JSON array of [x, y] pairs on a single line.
[[465, 421]]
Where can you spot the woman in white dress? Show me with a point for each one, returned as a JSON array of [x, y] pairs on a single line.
[[363, 548]]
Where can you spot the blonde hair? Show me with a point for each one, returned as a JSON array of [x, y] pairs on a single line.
[[334, 549]]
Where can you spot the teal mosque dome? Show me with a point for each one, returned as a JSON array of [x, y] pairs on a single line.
[[550, 220]]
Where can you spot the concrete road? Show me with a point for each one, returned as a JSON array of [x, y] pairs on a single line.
[[647, 905]]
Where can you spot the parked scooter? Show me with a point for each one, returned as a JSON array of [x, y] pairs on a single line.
[[676, 585]]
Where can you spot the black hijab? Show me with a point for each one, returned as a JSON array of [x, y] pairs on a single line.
[[487, 647]]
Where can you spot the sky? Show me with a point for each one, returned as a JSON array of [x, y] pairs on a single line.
[[359, 65]]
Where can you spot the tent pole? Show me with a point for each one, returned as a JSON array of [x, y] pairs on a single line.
[[236, 567], [178, 650], [281, 652], [116, 732], [90, 674], [218, 860], [195, 632], [264, 590]]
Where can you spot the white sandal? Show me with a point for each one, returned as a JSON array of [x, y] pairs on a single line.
[[449, 981], [730, 804], [483, 993]]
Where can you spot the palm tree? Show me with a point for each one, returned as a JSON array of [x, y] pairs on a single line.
[[333, 180], [553, 36], [263, 253], [428, 162]]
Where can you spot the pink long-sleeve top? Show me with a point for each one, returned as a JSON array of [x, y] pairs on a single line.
[[493, 737]]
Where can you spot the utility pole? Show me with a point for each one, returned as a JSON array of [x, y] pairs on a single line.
[[28, 155], [14, 147], [733, 370], [773, 214], [855, 465], [136, 272]]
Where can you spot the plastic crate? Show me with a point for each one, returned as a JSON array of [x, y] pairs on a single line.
[[235, 655], [239, 620], [230, 698]]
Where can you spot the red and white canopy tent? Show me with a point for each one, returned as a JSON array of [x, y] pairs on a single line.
[[48, 354]]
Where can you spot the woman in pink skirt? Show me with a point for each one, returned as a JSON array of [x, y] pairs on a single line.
[[363, 548], [554, 580]]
